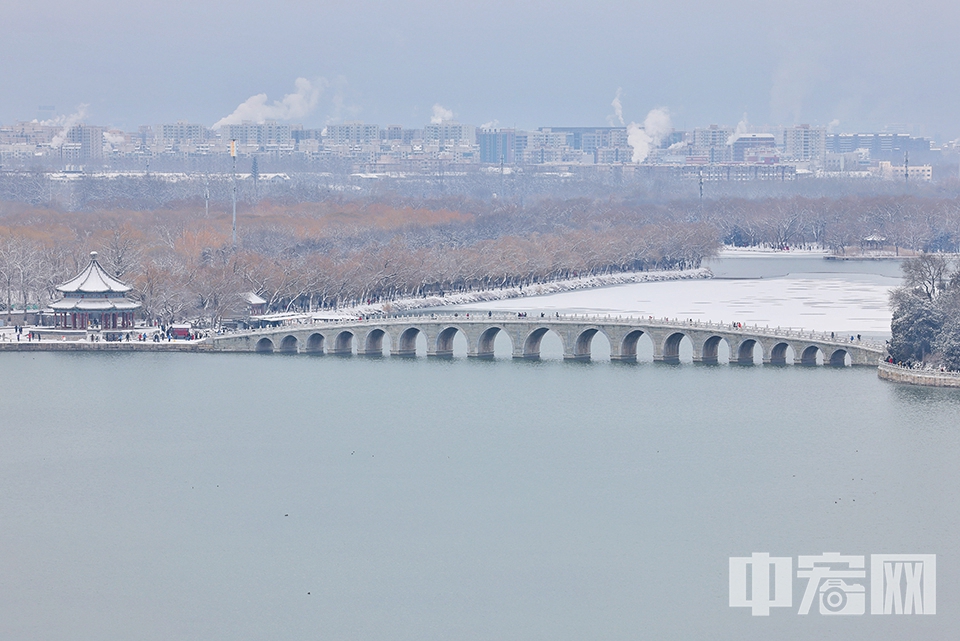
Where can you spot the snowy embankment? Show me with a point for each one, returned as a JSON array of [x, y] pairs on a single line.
[[762, 250], [540, 289]]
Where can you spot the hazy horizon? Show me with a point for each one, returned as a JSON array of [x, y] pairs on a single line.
[[858, 67]]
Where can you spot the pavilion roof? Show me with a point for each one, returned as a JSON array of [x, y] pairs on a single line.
[[93, 280], [94, 305]]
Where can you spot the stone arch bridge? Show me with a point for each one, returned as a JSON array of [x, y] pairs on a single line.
[[576, 333]]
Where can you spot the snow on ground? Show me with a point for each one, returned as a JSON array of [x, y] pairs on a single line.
[[844, 303], [730, 250]]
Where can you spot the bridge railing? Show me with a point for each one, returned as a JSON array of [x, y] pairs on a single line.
[[596, 319]]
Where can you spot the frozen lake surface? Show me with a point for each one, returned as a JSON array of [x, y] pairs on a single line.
[[808, 292]]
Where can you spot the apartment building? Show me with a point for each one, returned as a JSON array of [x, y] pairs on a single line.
[[804, 143]]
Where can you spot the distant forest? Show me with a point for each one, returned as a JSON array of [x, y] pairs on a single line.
[[345, 250]]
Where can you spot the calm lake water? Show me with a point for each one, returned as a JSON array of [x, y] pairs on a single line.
[[192, 496], [169, 496]]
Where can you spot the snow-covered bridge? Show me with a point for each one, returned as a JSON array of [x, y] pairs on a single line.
[[576, 334]]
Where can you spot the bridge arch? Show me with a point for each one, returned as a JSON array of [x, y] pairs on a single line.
[[583, 344], [629, 343], [407, 342], [745, 351], [443, 347], [710, 351], [780, 352], [487, 340], [289, 344], [810, 354], [671, 347], [839, 358], [343, 343], [315, 344], [264, 346], [531, 344], [373, 342]]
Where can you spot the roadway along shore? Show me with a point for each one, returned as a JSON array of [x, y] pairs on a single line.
[[101, 346]]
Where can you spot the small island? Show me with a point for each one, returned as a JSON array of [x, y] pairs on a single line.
[[925, 345]]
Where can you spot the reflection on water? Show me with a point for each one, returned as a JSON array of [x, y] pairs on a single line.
[[166, 496]]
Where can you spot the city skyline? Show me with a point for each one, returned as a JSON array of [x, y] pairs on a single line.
[[802, 147], [816, 64]]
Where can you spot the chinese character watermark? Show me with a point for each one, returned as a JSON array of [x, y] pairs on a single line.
[[760, 597], [837, 583]]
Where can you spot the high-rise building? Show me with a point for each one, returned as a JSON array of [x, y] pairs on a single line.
[[180, 132], [409, 135], [497, 145], [805, 144], [252, 134], [745, 143], [449, 132], [89, 139], [352, 133], [885, 146], [712, 143], [589, 139]]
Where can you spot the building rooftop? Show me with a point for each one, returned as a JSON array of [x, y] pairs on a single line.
[[93, 280]]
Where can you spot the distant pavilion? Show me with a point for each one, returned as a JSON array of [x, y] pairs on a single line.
[[94, 298]]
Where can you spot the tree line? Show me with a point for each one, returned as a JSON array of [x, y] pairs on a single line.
[[926, 313], [183, 265], [306, 255]]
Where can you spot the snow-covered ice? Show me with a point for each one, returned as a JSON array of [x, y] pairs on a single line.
[[845, 303]]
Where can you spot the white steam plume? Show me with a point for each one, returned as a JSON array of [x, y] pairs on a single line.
[[833, 125], [492, 124], [66, 123], [617, 110], [294, 105], [113, 137], [742, 127], [440, 114], [656, 127]]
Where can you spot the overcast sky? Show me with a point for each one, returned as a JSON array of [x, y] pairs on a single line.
[[864, 64]]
